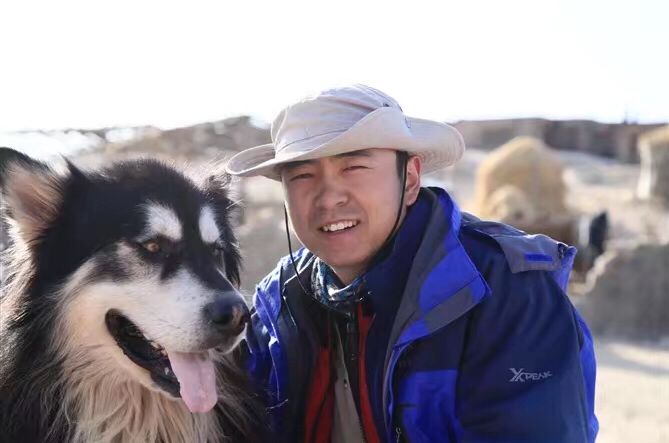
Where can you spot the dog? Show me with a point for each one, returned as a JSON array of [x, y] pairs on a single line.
[[592, 237], [120, 317]]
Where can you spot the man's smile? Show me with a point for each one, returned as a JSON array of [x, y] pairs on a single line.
[[339, 225]]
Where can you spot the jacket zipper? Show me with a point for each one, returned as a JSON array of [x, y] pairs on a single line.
[[352, 339], [398, 421], [362, 433], [395, 357]]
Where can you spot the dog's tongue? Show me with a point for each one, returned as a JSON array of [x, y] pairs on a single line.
[[197, 378]]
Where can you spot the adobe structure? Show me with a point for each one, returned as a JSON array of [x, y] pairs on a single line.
[[653, 182], [611, 140]]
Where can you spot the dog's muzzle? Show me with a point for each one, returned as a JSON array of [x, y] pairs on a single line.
[[228, 313]]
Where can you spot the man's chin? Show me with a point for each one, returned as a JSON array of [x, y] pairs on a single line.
[[345, 268]]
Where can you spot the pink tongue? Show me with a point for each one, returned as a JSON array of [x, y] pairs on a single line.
[[197, 378]]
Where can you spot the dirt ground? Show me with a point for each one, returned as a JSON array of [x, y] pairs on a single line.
[[632, 391]]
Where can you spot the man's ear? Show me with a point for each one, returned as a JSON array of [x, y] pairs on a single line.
[[412, 188], [32, 193]]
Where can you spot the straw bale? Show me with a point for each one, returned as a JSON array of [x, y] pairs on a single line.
[[532, 168]]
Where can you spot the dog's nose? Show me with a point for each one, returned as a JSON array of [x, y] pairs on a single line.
[[227, 312]]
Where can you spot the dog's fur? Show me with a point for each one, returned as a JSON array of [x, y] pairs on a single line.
[[76, 254]]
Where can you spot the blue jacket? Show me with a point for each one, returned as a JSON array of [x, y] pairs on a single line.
[[485, 345]]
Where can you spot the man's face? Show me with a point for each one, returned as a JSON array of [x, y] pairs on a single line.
[[343, 207]]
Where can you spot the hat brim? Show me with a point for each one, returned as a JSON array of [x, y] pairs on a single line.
[[437, 144]]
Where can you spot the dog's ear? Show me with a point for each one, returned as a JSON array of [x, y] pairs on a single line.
[[219, 182], [9, 156], [32, 192], [226, 193]]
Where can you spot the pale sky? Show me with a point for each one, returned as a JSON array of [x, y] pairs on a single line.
[[91, 64]]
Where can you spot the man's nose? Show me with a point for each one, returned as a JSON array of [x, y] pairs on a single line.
[[331, 194]]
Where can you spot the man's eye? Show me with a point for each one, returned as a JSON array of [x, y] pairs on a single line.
[[355, 167], [301, 177]]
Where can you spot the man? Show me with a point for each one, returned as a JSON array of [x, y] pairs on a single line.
[[404, 319]]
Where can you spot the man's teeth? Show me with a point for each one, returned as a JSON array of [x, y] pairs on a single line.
[[339, 226]]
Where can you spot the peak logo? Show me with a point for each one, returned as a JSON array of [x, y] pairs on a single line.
[[519, 375]]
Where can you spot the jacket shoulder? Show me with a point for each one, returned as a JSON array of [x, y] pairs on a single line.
[[490, 243], [284, 269], [526, 326]]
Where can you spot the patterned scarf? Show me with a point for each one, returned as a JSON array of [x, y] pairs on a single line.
[[328, 290]]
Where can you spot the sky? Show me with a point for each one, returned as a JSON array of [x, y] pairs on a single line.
[[93, 64]]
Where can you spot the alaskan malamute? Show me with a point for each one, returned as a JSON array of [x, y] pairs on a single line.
[[119, 318]]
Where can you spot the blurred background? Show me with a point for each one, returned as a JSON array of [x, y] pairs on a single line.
[[564, 106]]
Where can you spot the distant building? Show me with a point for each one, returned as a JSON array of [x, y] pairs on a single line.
[[654, 178], [617, 140]]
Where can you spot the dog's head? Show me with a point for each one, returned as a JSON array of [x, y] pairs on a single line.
[[139, 263]]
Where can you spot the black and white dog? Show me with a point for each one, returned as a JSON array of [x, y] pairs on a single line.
[[119, 316]]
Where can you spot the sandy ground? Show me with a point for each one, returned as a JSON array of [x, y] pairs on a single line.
[[632, 391]]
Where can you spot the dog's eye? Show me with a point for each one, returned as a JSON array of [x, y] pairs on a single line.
[[151, 246], [217, 247]]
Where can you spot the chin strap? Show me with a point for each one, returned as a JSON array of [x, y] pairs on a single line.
[[290, 251], [404, 161]]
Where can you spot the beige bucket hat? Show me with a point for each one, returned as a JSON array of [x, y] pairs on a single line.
[[345, 119]]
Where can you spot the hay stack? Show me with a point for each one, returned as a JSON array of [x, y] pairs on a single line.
[[533, 169], [653, 181], [510, 205]]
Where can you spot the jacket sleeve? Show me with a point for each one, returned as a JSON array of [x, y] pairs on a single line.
[[257, 358], [522, 377]]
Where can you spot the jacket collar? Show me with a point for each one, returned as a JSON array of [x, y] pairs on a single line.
[[386, 279], [443, 283]]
